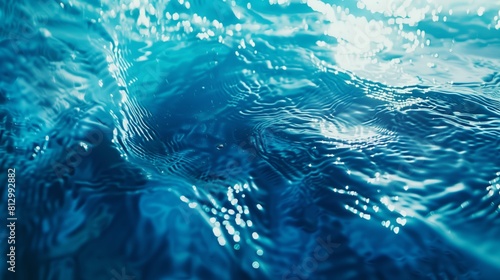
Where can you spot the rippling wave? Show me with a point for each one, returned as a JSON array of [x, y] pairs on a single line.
[[252, 139]]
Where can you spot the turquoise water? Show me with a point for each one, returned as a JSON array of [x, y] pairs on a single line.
[[251, 139]]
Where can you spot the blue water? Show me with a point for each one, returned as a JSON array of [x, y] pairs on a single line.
[[251, 139]]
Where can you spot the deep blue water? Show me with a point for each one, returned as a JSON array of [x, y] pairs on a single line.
[[251, 139]]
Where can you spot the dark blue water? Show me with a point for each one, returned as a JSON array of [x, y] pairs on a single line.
[[251, 140]]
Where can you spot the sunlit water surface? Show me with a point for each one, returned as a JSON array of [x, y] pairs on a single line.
[[252, 140]]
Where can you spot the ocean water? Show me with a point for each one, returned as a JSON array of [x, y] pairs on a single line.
[[192, 139]]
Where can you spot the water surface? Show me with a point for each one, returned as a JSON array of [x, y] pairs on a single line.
[[252, 140]]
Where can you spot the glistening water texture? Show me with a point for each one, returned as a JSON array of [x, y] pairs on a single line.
[[191, 139]]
